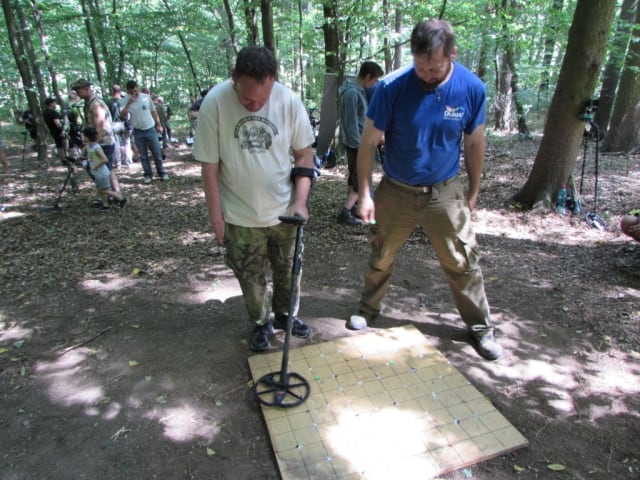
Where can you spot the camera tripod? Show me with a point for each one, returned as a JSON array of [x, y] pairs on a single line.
[[592, 218], [286, 389], [70, 163]]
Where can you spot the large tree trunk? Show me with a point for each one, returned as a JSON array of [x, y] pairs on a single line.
[[623, 135], [556, 157], [331, 37], [611, 74], [92, 41], [16, 40]]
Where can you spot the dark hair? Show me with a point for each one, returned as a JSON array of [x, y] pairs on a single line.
[[256, 62], [91, 133], [49, 101], [370, 68], [131, 84], [428, 36]]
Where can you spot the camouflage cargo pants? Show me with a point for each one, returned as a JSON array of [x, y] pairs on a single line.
[[249, 253]]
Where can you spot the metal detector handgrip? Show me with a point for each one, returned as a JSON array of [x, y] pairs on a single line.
[[294, 220]]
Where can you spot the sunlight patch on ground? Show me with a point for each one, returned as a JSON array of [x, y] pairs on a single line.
[[67, 385], [10, 331], [193, 237], [185, 423], [8, 215], [540, 228], [220, 289], [108, 283]]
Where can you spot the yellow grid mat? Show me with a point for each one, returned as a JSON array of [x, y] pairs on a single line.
[[383, 405]]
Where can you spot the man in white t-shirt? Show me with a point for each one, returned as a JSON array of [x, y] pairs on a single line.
[[146, 128], [248, 128]]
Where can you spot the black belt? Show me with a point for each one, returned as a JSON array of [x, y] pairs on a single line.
[[420, 188]]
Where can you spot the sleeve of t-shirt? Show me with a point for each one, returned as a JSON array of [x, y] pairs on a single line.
[[207, 146], [478, 102]]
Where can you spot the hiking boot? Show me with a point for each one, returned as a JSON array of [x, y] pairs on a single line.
[[124, 202], [346, 218], [298, 328], [260, 337], [485, 344]]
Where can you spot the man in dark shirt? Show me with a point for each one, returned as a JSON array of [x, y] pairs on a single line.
[[54, 122]]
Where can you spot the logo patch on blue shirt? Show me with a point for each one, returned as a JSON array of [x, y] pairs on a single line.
[[453, 113]]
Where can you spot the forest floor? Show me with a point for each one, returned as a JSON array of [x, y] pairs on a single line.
[[123, 336]]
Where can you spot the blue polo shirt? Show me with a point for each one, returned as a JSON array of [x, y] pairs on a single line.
[[423, 130]]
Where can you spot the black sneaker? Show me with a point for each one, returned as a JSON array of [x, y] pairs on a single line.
[[486, 345], [124, 202], [298, 328], [346, 218], [260, 337]]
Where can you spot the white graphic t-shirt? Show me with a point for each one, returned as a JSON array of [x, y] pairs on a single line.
[[253, 150]]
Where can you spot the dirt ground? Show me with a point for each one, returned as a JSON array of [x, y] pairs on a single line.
[[123, 337]]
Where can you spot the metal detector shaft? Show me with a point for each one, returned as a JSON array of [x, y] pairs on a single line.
[[284, 389], [295, 273]]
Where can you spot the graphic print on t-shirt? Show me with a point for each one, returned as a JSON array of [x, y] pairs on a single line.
[[255, 133]]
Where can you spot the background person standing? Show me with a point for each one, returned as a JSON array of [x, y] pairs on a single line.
[[353, 107], [146, 128], [97, 115]]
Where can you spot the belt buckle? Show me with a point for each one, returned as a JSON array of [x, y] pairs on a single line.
[[426, 189]]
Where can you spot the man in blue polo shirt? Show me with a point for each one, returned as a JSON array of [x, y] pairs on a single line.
[[423, 111]]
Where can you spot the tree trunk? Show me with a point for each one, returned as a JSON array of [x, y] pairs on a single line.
[[92, 41], [331, 38], [611, 74], [556, 157], [25, 28], [397, 56], [623, 134], [45, 50], [253, 36], [16, 41], [102, 28], [523, 129], [549, 47], [266, 11], [187, 53], [502, 102], [301, 51]]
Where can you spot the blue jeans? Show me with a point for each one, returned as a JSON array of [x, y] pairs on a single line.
[[144, 139]]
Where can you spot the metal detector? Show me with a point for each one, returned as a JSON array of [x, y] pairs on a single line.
[[286, 389], [592, 218]]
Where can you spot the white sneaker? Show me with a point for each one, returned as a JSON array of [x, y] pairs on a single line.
[[148, 180], [357, 322]]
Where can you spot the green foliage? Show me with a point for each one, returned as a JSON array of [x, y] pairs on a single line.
[[146, 40]]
